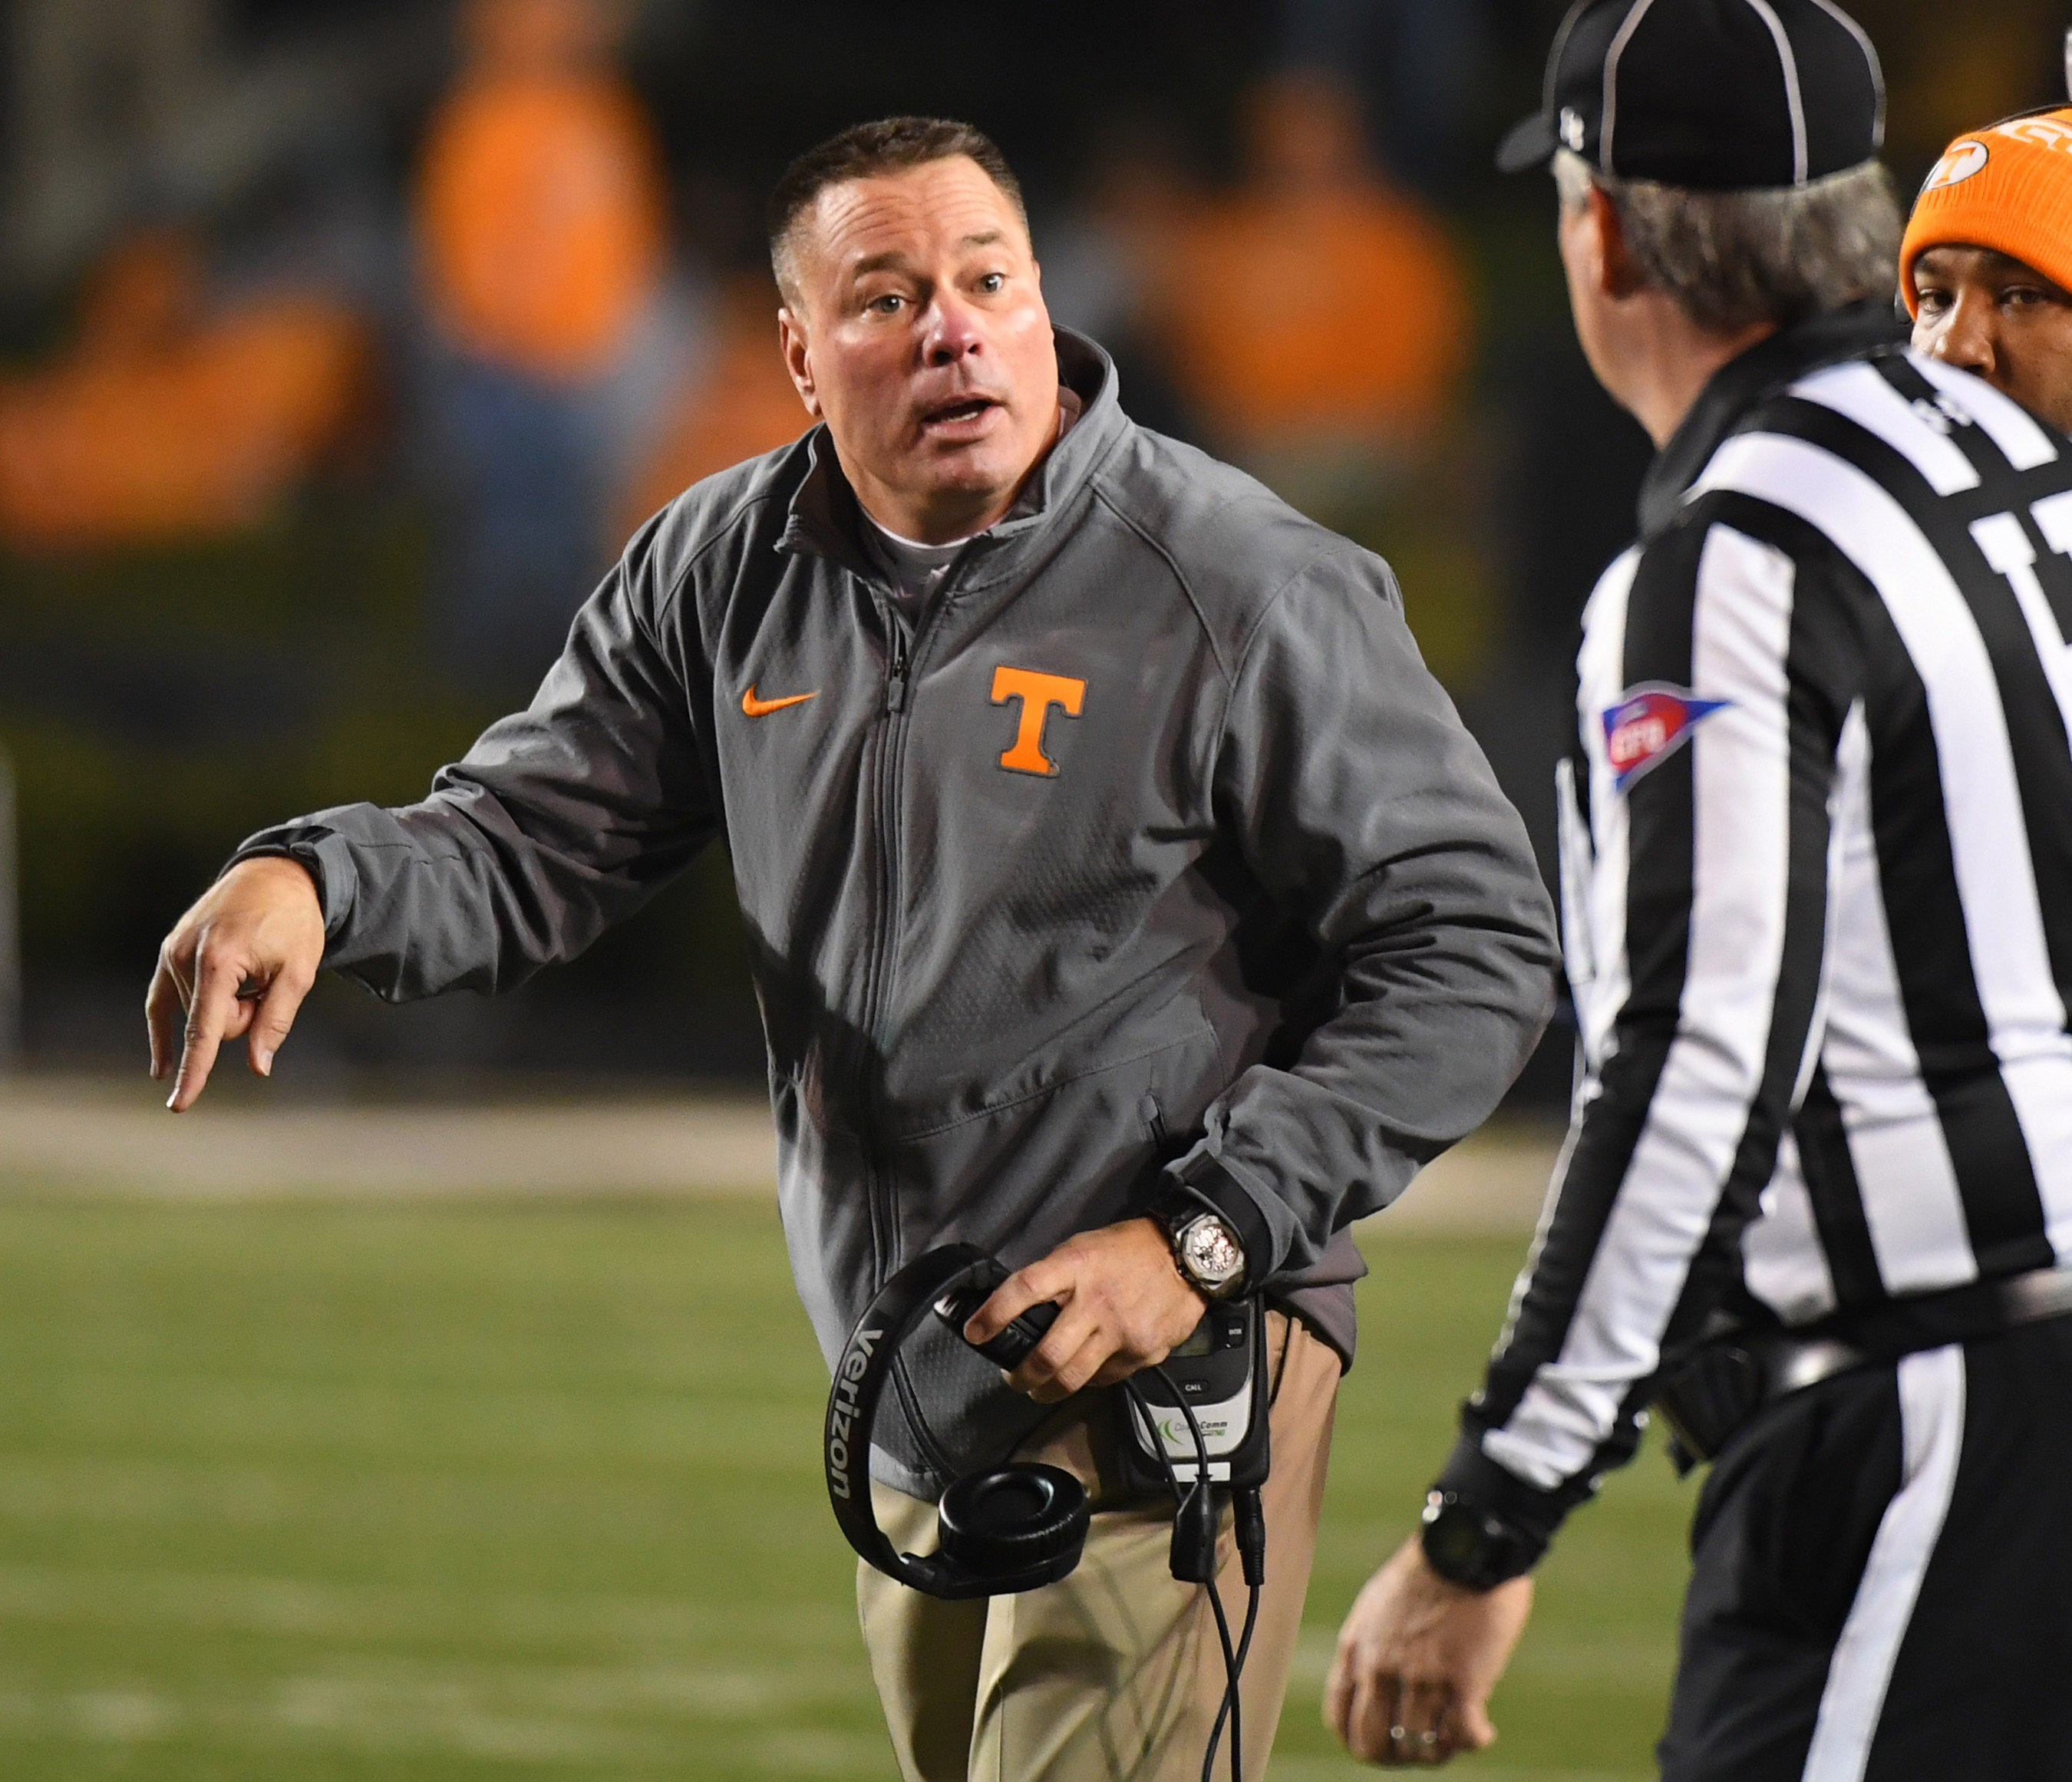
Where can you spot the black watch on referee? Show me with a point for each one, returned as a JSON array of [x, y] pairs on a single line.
[[1473, 1547], [1207, 1252]]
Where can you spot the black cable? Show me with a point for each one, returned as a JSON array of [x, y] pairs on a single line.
[[1251, 1545], [1233, 1661], [1230, 1699], [1194, 1511], [1230, 1706], [1251, 1520]]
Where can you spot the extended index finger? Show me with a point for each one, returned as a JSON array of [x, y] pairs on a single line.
[[163, 1010], [210, 1015]]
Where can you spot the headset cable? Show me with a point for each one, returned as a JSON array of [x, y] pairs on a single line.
[[1194, 1547]]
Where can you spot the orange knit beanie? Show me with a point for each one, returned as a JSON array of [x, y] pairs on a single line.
[[2009, 188]]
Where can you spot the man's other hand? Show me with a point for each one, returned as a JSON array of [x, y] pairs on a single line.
[[1417, 1658], [240, 961], [1121, 1305]]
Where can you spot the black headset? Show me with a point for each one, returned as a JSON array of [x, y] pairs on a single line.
[[1019, 1525], [1003, 1530]]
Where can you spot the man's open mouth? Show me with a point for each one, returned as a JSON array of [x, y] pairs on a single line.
[[964, 407]]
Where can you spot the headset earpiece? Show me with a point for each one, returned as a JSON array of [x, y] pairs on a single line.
[[1012, 1520]]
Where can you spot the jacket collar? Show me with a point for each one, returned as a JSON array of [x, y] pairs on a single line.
[[1746, 381], [824, 519]]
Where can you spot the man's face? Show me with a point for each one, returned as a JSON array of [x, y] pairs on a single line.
[[915, 328], [1983, 312]]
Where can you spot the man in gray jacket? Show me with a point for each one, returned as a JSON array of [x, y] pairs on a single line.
[[1123, 897]]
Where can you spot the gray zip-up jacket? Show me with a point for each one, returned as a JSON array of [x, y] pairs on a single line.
[[1153, 846]]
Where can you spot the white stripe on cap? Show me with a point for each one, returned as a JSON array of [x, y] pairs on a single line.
[[1870, 55], [1795, 98], [1554, 57], [1619, 39]]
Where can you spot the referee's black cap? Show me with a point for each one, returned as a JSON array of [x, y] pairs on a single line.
[[1712, 95]]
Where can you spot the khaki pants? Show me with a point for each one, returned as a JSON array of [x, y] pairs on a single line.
[[1115, 1673]]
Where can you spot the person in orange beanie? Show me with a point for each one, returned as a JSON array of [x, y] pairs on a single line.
[[552, 328], [1986, 265]]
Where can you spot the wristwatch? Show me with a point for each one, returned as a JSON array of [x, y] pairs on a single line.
[[1472, 1547], [1206, 1251]]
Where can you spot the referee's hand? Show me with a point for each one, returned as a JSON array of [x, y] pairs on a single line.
[[1417, 1658], [240, 962]]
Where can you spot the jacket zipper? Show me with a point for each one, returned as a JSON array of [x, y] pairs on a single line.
[[884, 1222], [895, 689], [885, 803]]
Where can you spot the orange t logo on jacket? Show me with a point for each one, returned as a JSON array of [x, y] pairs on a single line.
[[1037, 693]]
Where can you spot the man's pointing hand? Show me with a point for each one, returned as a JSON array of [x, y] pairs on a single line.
[[240, 961]]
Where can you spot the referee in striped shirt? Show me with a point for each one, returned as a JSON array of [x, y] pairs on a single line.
[[1817, 890]]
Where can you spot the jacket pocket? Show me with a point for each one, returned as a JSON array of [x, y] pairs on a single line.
[[1110, 1038], [1020, 1176]]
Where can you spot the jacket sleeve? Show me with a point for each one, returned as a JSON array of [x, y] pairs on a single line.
[[1365, 810], [1706, 943], [560, 822]]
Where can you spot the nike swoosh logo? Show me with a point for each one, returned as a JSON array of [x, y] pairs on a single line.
[[762, 708]]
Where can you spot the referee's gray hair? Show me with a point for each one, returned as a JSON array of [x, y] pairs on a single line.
[[1732, 259]]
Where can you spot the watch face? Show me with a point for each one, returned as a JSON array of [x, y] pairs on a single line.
[[1212, 1254]]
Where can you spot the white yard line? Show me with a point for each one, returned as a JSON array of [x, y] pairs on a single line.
[[92, 1137]]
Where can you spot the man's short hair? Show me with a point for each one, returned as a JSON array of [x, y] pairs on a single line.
[[890, 145], [1732, 259]]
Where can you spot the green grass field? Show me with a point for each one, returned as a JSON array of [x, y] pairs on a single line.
[[334, 1491]]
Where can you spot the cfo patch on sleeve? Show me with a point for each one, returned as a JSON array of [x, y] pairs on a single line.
[[1649, 724]]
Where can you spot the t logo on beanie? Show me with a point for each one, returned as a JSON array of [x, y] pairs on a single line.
[[1960, 161]]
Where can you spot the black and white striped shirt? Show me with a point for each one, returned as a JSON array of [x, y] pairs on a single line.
[[1817, 865]]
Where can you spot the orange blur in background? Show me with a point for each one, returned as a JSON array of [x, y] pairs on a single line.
[[540, 209], [164, 419], [741, 405], [348, 344], [1315, 299]]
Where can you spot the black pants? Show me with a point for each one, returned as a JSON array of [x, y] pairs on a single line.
[[1881, 1587]]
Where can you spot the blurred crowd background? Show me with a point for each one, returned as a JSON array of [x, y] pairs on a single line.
[[342, 343]]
